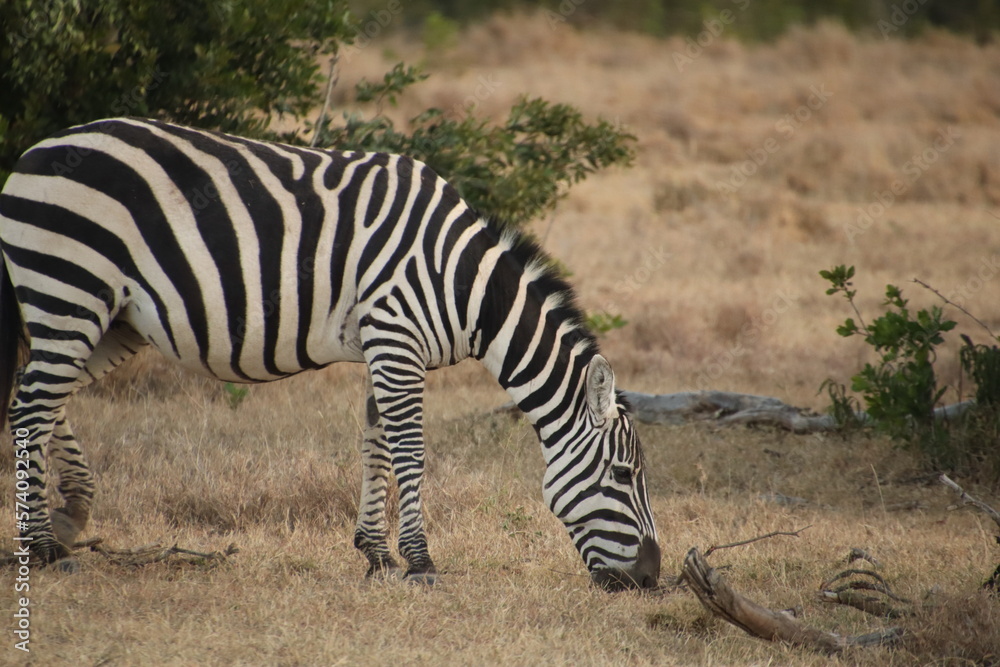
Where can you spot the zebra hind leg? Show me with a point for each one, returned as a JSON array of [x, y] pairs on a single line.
[[76, 484], [38, 421], [370, 534], [48, 381]]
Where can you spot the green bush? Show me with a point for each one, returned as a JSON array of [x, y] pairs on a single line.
[[231, 66], [236, 66], [982, 364], [515, 170], [747, 19], [900, 390]]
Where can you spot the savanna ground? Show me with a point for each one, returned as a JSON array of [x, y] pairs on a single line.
[[720, 290]]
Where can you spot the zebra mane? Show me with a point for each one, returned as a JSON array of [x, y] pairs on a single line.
[[548, 281]]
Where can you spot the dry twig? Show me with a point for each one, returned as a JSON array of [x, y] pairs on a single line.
[[795, 533], [952, 303]]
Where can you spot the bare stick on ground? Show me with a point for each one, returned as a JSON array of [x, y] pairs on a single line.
[[993, 583], [850, 593], [155, 553], [716, 595], [969, 500]]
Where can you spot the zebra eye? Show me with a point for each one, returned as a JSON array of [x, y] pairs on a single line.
[[621, 474]]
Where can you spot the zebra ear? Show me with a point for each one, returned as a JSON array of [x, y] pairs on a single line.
[[600, 389]]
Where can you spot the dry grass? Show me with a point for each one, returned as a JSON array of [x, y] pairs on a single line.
[[278, 476]]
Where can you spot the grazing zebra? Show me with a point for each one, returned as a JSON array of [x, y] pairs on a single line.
[[250, 261]]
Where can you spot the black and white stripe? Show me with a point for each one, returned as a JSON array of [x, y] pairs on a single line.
[[250, 261]]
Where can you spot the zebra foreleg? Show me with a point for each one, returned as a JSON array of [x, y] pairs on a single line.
[[398, 386], [370, 534]]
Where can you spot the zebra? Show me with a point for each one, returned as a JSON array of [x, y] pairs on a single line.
[[250, 261]]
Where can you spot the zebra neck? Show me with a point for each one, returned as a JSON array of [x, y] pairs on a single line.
[[545, 382], [528, 333]]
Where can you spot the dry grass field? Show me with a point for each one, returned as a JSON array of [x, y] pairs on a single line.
[[757, 166]]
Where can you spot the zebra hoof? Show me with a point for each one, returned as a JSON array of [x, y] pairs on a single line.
[[421, 578], [65, 528], [68, 565], [384, 573]]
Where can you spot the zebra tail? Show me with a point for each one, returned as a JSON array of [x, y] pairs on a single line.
[[12, 341]]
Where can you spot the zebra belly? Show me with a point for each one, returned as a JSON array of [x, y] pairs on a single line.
[[246, 353]]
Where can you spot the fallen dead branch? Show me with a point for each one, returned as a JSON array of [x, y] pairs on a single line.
[[719, 598], [726, 409], [993, 583], [970, 500], [860, 554], [850, 593], [144, 555], [866, 603], [730, 409], [155, 553]]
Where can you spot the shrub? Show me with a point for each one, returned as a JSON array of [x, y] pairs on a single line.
[[230, 66], [514, 171], [900, 390], [236, 66]]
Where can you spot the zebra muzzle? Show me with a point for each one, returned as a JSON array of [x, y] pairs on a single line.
[[644, 574]]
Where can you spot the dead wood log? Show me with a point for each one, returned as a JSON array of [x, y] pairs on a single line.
[[719, 598], [860, 554], [730, 409], [726, 408]]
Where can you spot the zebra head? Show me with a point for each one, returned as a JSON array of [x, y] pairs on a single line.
[[596, 485]]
